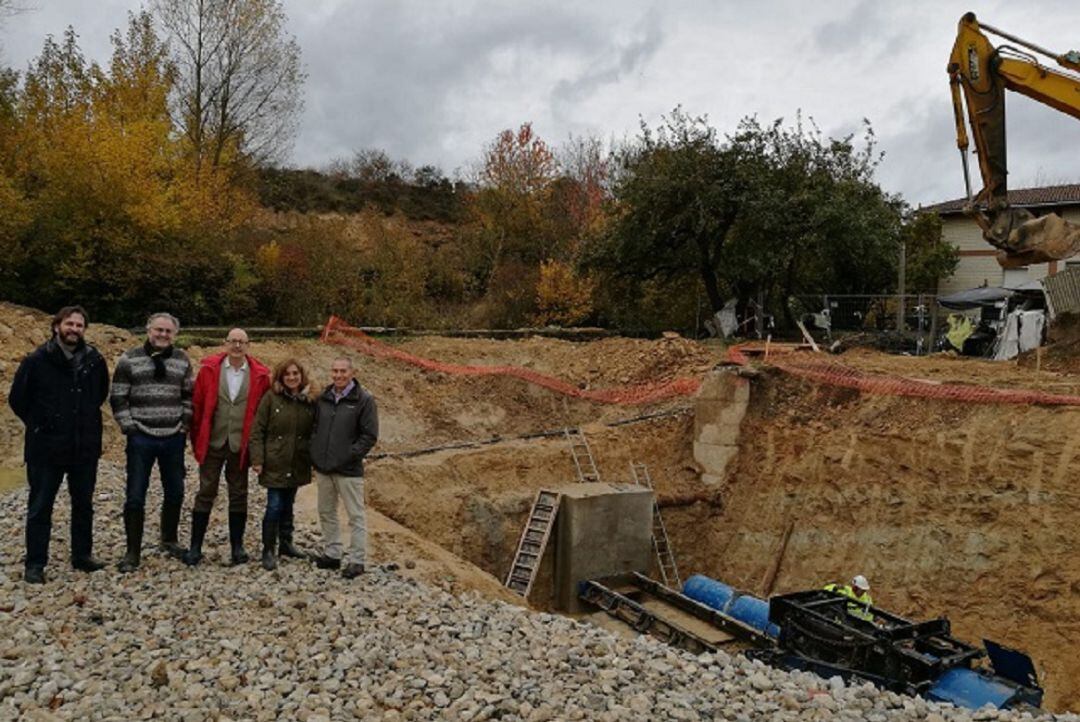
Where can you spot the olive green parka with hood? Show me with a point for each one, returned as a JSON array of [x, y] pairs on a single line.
[[281, 438]]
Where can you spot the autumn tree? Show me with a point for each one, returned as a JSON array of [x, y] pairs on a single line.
[[239, 78], [119, 220], [517, 171], [586, 164]]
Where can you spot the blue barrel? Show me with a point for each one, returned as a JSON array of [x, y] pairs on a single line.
[[744, 608], [752, 612], [967, 688], [708, 591]]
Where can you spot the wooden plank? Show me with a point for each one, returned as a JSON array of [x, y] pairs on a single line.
[[808, 337]]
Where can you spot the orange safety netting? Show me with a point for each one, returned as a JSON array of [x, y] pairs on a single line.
[[835, 374], [338, 332]]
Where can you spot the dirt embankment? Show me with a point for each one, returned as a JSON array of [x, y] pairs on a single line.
[[417, 409], [22, 330], [963, 510]]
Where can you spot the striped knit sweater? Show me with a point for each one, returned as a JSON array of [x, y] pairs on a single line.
[[142, 403]]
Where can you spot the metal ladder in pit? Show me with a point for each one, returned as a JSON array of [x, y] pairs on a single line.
[[665, 556], [534, 539], [584, 463]]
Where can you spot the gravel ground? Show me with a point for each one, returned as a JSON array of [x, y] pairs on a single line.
[[241, 643]]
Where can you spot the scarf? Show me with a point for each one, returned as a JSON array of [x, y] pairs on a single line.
[[72, 356], [158, 357]]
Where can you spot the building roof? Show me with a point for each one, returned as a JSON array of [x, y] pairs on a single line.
[[1063, 195]]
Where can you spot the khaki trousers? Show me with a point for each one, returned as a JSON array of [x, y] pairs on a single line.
[[351, 491]]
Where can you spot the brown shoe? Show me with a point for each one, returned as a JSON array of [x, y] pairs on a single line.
[[352, 571], [325, 562]]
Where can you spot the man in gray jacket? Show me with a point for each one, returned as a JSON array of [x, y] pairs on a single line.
[[346, 428]]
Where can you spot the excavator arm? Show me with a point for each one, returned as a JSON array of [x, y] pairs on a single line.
[[979, 75]]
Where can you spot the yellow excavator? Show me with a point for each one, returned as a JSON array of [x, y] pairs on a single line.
[[979, 75]]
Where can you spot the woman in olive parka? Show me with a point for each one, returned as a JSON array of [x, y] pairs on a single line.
[[280, 452]]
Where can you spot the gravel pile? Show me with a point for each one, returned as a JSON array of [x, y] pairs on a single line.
[[227, 643]]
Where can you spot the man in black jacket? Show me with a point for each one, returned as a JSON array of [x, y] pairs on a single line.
[[58, 392], [346, 427]]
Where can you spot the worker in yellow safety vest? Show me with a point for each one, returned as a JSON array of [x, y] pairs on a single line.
[[859, 592]]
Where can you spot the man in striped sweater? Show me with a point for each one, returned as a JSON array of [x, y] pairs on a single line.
[[151, 401]]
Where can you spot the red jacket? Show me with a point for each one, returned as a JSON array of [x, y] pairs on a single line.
[[205, 399]]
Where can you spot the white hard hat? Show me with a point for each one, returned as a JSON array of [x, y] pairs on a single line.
[[860, 582]]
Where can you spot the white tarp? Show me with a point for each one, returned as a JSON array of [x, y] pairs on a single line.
[[724, 322], [1022, 331]]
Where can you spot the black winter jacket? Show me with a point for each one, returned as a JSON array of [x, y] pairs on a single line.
[[60, 403], [344, 432]]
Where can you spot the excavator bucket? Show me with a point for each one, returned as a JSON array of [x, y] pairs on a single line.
[[1044, 239]]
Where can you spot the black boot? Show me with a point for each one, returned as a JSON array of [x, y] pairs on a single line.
[[237, 522], [199, 521], [269, 539], [133, 530], [285, 540], [170, 525]]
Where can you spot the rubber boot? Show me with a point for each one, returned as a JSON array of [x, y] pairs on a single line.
[[237, 522], [170, 525], [199, 521], [133, 531], [269, 540], [285, 540]]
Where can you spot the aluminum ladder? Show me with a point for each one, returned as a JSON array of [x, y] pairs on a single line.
[[534, 539], [665, 556], [584, 462]]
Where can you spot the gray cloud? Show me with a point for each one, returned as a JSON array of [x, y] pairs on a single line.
[[434, 82], [609, 67], [864, 31]]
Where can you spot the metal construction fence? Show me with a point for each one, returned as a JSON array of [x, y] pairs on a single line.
[[916, 316]]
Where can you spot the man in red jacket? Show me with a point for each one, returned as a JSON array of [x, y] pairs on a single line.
[[227, 392]]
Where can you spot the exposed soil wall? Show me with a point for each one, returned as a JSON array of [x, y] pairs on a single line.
[[962, 510], [474, 502]]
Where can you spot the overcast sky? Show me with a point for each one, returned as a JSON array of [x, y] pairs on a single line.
[[434, 82]]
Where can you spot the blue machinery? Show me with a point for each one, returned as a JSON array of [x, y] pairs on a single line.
[[813, 631]]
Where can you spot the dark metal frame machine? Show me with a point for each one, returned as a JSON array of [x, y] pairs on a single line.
[[815, 631], [818, 633]]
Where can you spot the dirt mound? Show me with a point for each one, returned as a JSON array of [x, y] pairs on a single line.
[[1062, 352], [22, 330], [592, 364]]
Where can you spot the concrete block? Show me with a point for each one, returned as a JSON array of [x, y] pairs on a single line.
[[718, 434], [712, 480], [602, 529], [714, 458], [724, 385]]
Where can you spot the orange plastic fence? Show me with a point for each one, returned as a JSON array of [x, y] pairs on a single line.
[[835, 374], [338, 332]]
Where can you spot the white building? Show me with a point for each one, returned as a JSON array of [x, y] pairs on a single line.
[[978, 265]]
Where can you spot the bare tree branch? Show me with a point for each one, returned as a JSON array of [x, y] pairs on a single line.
[[238, 91]]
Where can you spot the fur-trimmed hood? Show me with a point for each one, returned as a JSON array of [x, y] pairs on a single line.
[[304, 395]]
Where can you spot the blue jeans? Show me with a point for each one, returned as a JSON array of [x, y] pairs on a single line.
[[142, 451], [279, 504], [45, 480]]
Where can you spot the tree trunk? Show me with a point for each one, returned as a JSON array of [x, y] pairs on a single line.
[[712, 287]]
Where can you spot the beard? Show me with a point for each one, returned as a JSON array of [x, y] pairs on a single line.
[[71, 338]]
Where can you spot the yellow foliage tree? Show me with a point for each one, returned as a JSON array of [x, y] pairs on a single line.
[[563, 297]]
